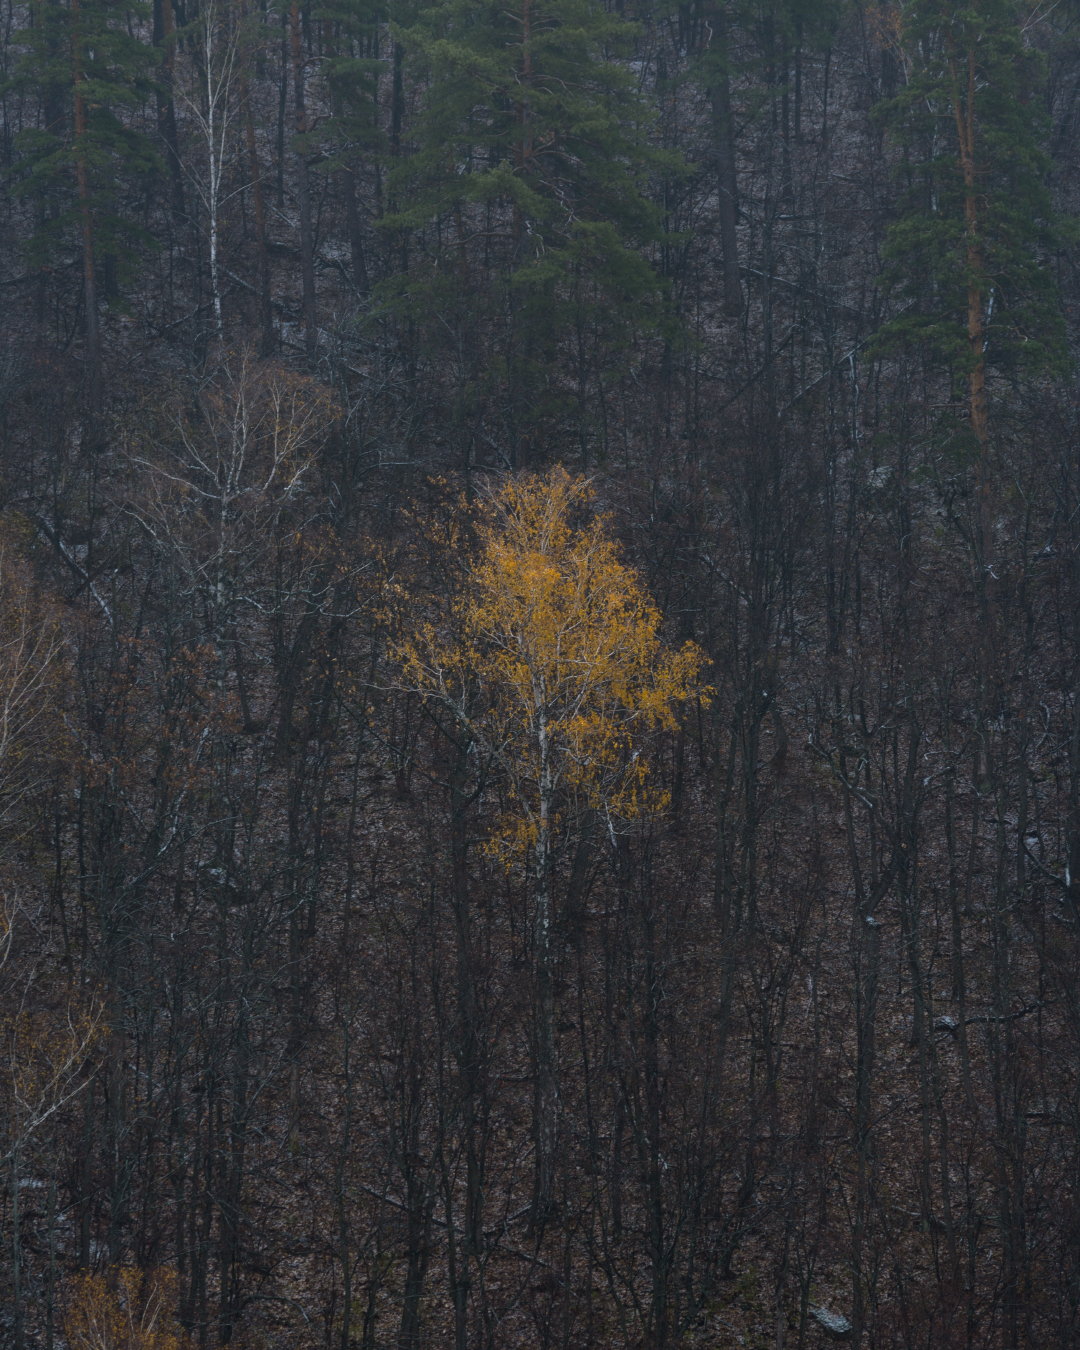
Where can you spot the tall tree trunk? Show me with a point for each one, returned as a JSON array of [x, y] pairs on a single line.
[[356, 241], [18, 1318], [467, 1047], [266, 308], [54, 118], [868, 947], [95, 379], [420, 1202], [307, 238], [164, 30], [419, 1193], [653, 1160], [724, 153], [546, 1101], [964, 112], [283, 100]]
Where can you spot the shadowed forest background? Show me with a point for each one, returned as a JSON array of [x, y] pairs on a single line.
[[330, 1017]]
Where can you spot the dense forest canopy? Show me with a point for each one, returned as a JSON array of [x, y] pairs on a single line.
[[539, 674]]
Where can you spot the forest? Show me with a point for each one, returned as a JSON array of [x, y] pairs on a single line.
[[539, 674]]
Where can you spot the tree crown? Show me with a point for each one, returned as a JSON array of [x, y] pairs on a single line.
[[553, 659]]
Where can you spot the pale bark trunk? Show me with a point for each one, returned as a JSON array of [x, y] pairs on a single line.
[[214, 160]]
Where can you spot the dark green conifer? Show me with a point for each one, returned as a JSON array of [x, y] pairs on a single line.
[[970, 248], [81, 159], [526, 183]]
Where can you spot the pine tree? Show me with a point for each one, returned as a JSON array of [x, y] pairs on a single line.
[[353, 33], [526, 186], [90, 70], [970, 247]]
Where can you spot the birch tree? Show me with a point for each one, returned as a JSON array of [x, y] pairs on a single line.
[[214, 107], [564, 644]]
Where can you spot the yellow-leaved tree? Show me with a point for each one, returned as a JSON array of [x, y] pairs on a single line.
[[134, 1311], [552, 664]]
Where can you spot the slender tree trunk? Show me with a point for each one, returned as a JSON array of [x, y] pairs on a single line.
[[356, 240], [86, 1178], [215, 156], [283, 100], [726, 180], [166, 108], [307, 238], [232, 1185], [546, 1100], [1072, 821], [397, 99], [54, 118], [787, 189], [869, 958], [16, 1249], [296, 1028], [397, 116], [344, 1139], [95, 379], [654, 1190], [617, 1137], [727, 893], [348, 178], [467, 1048], [266, 307], [419, 1204], [418, 1250], [964, 112], [825, 102], [50, 1287]]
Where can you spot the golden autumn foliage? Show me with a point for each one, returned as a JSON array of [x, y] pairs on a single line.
[[138, 1314], [553, 657]]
